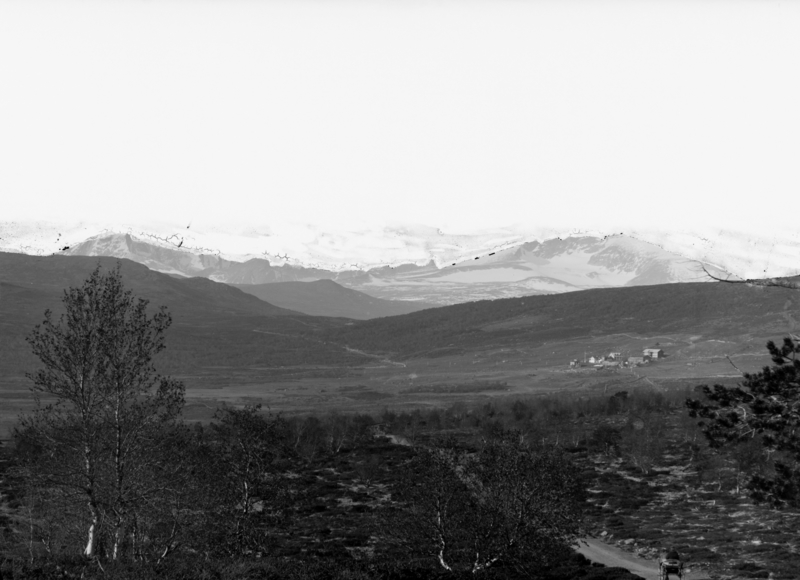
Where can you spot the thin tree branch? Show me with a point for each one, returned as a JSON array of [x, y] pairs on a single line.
[[741, 372], [771, 282]]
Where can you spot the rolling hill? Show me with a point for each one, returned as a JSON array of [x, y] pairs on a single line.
[[219, 326], [327, 298], [719, 310], [52, 274], [214, 324]]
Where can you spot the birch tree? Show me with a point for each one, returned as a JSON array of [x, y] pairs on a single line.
[[250, 493], [527, 504], [435, 513], [504, 504], [101, 409]]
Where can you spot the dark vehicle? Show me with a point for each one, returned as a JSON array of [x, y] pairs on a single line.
[[670, 564]]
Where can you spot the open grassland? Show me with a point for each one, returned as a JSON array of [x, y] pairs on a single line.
[[367, 382], [472, 377]]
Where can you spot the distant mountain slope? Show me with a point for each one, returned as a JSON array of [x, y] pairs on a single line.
[[718, 310], [578, 263], [553, 266], [173, 260], [327, 298], [55, 273], [215, 326]]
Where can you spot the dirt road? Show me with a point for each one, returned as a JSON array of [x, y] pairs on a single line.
[[612, 556]]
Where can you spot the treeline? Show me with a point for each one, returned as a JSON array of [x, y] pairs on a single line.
[[637, 426], [564, 419]]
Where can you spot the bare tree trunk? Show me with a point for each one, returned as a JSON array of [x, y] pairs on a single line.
[[442, 562], [90, 540], [134, 543], [442, 541], [92, 531], [120, 474], [117, 539], [30, 537], [241, 522]]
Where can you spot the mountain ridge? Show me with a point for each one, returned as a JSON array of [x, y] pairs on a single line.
[[553, 266], [746, 251]]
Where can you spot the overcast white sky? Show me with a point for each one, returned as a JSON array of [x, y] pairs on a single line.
[[461, 115]]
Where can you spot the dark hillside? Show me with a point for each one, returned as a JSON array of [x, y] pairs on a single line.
[[724, 309], [214, 325], [222, 338], [327, 298], [55, 273]]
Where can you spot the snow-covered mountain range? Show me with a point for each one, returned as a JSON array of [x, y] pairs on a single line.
[[553, 266], [750, 253]]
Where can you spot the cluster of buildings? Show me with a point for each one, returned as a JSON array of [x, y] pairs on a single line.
[[616, 360]]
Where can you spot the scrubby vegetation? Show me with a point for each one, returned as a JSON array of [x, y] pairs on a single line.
[[110, 482], [106, 479], [333, 481], [317, 497]]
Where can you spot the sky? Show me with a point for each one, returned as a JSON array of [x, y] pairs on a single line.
[[464, 116]]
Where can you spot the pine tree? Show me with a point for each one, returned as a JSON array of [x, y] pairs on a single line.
[[765, 407]]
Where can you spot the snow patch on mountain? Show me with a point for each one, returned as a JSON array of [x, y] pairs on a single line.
[[747, 254], [589, 262]]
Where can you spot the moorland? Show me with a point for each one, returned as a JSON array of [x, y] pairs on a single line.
[[229, 346], [381, 387]]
